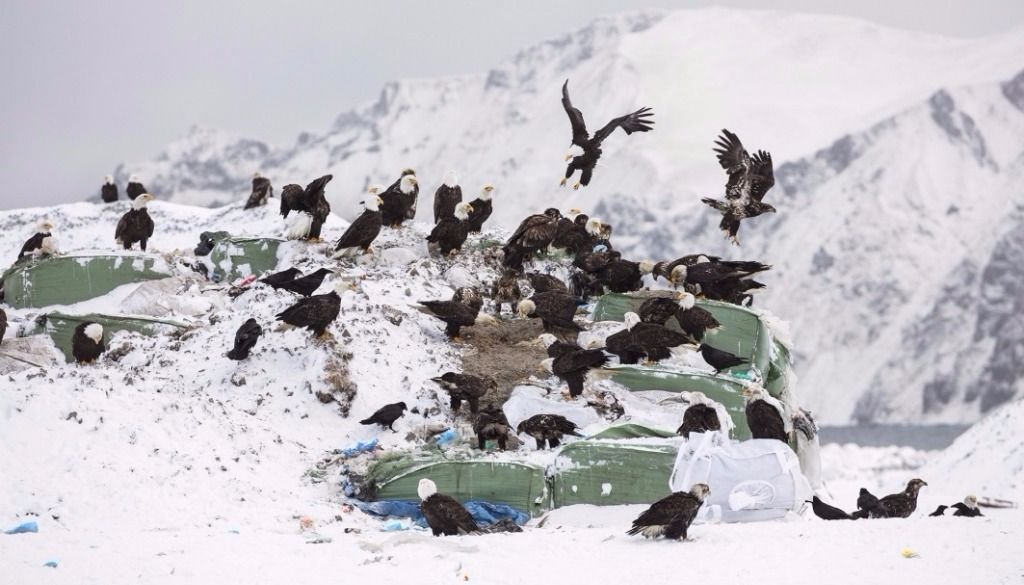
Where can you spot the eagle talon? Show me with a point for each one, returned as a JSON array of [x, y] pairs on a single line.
[[576, 186], [562, 182]]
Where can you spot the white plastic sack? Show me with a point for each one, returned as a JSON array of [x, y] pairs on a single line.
[[751, 481]]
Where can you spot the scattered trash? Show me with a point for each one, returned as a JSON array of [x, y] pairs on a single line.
[[315, 538], [306, 524], [484, 513], [360, 447], [350, 530], [24, 528], [52, 563], [446, 438], [909, 554], [395, 526]]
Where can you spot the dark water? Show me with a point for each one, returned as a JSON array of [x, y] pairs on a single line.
[[918, 437]]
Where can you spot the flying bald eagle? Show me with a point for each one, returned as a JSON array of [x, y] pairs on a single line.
[[245, 340], [87, 342], [492, 425], [315, 313], [108, 192], [506, 290], [482, 207], [444, 514], [719, 359], [134, 188], [312, 202], [447, 196], [672, 515], [638, 121], [640, 339], [534, 234], [555, 310], [386, 415], [465, 388], [363, 230], [765, 416], [450, 233], [261, 191], [750, 178], [700, 417], [399, 200], [136, 225], [548, 429], [571, 363], [42, 243]]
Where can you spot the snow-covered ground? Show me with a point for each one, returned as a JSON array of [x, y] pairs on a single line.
[[167, 462]]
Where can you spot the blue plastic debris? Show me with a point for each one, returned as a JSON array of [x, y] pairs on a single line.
[[52, 563], [446, 438], [395, 526], [24, 527], [360, 447], [484, 513], [234, 531]]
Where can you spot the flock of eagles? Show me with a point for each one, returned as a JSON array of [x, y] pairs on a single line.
[[597, 268]]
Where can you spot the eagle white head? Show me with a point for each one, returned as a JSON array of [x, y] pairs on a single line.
[[462, 211], [142, 200], [687, 301], [702, 259], [108, 180], [971, 502], [697, 398], [426, 488], [548, 364], [408, 183], [256, 175], [572, 213], [631, 320], [526, 307], [44, 226], [677, 275], [451, 179], [487, 192], [375, 189], [94, 331], [372, 203], [646, 266], [700, 491], [594, 226], [547, 339], [133, 179]]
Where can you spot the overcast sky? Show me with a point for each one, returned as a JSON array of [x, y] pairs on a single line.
[[87, 85]]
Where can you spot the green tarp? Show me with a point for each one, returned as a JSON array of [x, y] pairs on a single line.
[[61, 327], [607, 473], [234, 258], [632, 431], [520, 485], [65, 280]]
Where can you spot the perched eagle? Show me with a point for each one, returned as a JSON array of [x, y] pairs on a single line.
[[3, 324], [447, 196], [672, 515], [506, 290], [548, 429], [136, 225], [455, 315], [386, 415], [967, 508], [315, 313], [694, 320], [363, 230], [555, 310], [534, 234], [261, 191], [750, 178], [719, 359], [659, 309], [623, 276], [898, 505], [108, 192], [312, 202], [87, 342], [492, 425], [546, 282], [450, 233], [399, 200], [282, 279], [134, 188], [591, 261], [571, 363], [42, 243], [245, 340], [482, 208], [827, 511], [640, 339], [715, 277], [765, 416], [700, 417], [465, 388], [444, 514], [638, 121]]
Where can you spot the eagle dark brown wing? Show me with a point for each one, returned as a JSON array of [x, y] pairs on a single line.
[[638, 121], [736, 162], [535, 231], [765, 421], [580, 136], [673, 508], [762, 175]]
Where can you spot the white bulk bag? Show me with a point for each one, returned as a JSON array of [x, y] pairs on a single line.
[[750, 481]]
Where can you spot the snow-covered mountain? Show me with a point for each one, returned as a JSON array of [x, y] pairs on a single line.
[[898, 156]]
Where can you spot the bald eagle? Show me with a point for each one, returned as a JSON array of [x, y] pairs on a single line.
[[696, 321], [455, 314], [399, 200], [313, 202], [386, 415], [87, 342], [465, 388], [967, 508], [623, 276], [555, 310], [108, 192], [638, 121], [3, 324], [134, 188], [363, 230], [546, 282], [42, 243], [534, 234], [444, 514], [245, 340], [506, 290], [315, 313], [898, 505], [750, 178], [447, 196], [700, 417], [482, 208], [261, 191], [672, 515], [492, 425], [548, 429], [765, 416], [135, 225], [450, 233], [640, 339], [571, 363]]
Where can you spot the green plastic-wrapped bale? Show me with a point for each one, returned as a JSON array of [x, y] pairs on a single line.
[[234, 258], [65, 280], [606, 473], [61, 327]]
